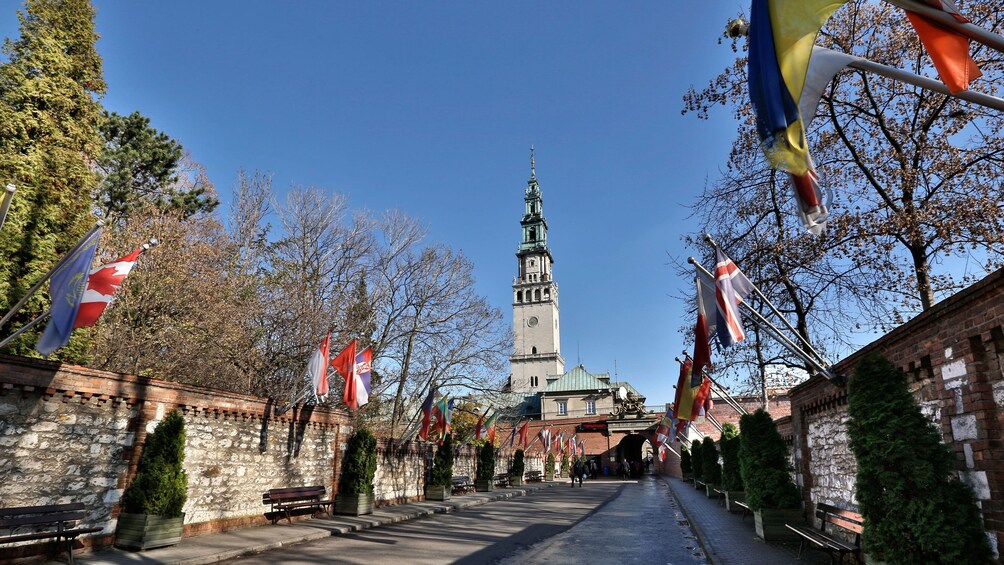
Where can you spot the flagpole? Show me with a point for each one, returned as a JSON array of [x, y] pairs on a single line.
[[894, 73], [974, 32], [24, 328], [764, 322], [5, 207], [97, 226], [756, 289]]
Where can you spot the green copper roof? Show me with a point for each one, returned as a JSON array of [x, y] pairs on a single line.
[[577, 379]]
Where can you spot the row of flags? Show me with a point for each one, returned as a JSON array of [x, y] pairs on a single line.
[[354, 367], [693, 390], [559, 443], [781, 38]]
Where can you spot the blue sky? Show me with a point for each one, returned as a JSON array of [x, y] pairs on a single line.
[[431, 108]]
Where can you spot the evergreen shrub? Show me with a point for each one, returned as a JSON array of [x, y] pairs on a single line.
[[732, 480], [915, 511], [442, 464], [359, 464], [711, 470], [685, 464], [486, 462], [696, 461], [564, 465], [161, 485], [549, 469], [516, 470], [764, 466]]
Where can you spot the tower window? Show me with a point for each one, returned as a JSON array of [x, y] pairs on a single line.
[[531, 262], [547, 293], [533, 350], [534, 381], [519, 296], [536, 295]]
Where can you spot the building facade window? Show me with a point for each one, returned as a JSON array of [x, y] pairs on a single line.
[[590, 407], [562, 407]]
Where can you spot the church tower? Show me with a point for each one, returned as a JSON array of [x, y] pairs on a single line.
[[537, 345]]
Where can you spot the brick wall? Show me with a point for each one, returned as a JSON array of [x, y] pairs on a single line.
[[953, 354]]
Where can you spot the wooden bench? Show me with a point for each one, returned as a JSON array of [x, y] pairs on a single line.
[[55, 521], [819, 538], [719, 493], [283, 501], [501, 480], [534, 476], [699, 484], [462, 484]]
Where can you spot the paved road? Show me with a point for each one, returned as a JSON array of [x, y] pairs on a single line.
[[613, 522], [643, 525]]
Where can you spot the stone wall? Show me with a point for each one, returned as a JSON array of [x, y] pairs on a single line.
[[70, 434], [953, 355]]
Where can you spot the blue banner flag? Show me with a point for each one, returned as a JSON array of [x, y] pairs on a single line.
[[66, 288]]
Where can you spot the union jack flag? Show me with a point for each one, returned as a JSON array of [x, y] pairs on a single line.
[[731, 286]]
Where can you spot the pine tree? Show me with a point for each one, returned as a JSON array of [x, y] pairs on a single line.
[[49, 120], [915, 510]]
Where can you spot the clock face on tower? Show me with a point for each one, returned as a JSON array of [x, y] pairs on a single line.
[[532, 321]]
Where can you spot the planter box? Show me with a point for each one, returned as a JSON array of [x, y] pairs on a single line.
[[733, 496], [710, 488], [437, 492], [483, 486], [770, 523], [548, 476], [354, 505], [147, 531], [516, 481]]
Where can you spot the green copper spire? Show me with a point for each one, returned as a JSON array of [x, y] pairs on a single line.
[[533, 223]]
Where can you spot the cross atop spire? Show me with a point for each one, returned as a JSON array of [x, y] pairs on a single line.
[[533, 174]]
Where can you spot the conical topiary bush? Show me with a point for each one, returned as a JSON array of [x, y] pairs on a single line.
[[355, 485], [486, 468], [152, 505], [770, 492], [711, 469], [441, 475], [915, 511]]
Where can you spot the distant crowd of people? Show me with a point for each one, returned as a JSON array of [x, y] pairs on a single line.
[[582, 468]]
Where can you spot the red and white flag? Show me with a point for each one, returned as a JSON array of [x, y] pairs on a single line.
[[345, 364], [317, 367], [102, 282]]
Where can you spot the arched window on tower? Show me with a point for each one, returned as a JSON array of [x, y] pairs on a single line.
[[536, 295], [547, 294], [519, 296], [533, 350], [533, 234]]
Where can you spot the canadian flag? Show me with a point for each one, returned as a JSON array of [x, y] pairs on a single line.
[[102, 282]]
